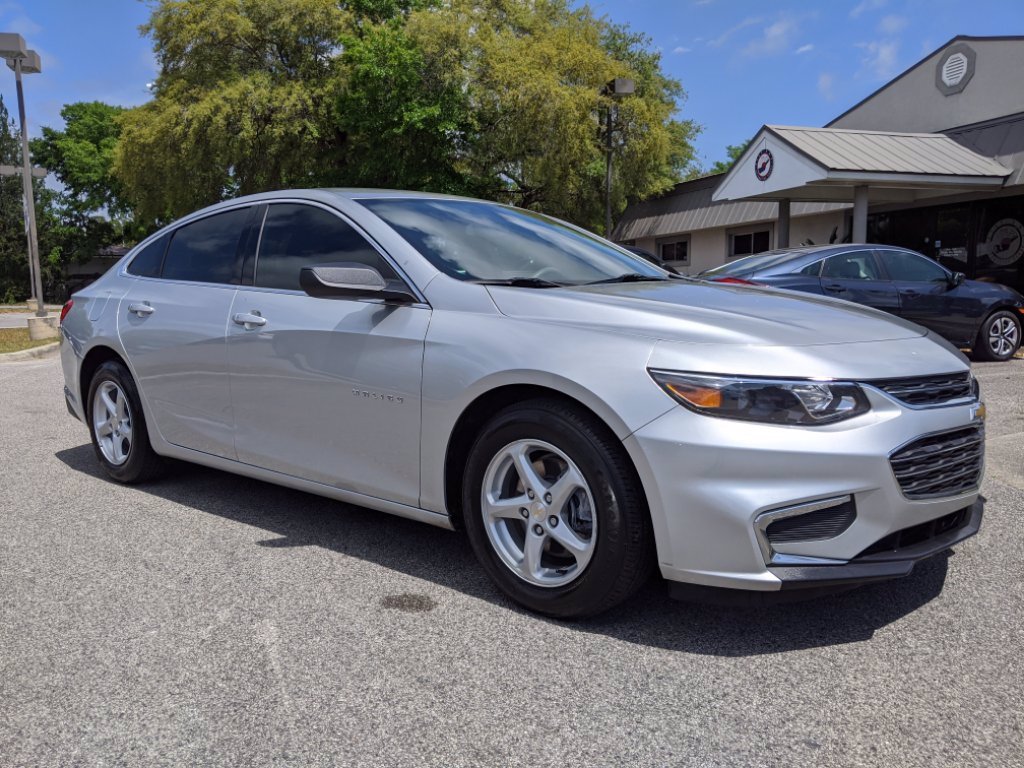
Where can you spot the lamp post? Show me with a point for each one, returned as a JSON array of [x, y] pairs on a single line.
[[616, 89], [24, 61]]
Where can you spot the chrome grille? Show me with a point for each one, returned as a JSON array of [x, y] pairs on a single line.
[[929, 390], [943, 464]]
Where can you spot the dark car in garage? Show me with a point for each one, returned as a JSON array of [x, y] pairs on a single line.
[[981, 315]]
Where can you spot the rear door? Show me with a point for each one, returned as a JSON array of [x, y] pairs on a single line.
[[325, 389], [855, 276], [172, 326]]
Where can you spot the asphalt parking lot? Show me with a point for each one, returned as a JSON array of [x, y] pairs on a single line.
[[210, 620]]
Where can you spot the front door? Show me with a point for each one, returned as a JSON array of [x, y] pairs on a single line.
[[927, 297], [326, 390], [171, 324]]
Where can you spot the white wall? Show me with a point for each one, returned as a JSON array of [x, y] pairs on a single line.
[[708, 247]]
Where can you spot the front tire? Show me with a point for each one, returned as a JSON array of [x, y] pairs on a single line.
[[555, 512], [999, 337], [118, 427]]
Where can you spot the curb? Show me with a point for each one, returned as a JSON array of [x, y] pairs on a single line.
[[30, 354]]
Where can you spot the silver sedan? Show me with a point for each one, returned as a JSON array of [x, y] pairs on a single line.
[[584, 416]]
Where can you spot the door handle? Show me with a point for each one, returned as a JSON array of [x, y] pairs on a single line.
[[835, 287], [249, 319], [141, 309], [911, 294]]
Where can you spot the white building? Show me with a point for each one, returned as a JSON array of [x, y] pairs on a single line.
[[933, 160]]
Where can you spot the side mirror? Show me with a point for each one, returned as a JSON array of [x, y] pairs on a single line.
[[957, 279], [349, 280]]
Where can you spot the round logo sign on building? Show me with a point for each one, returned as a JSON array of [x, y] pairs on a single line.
[[763, 164], [1005, 242]]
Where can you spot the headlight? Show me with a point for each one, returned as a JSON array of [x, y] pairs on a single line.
[[772, 401]]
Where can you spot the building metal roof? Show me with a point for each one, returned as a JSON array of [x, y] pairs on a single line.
[[839, 149], [1001, 139], [689, 208]]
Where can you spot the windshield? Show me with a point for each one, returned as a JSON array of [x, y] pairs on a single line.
[[471, 240], [749, 264]]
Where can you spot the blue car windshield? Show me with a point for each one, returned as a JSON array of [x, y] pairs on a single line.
[[471, 240]]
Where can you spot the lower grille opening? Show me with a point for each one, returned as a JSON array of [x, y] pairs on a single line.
[[918, 534], [813, 526]]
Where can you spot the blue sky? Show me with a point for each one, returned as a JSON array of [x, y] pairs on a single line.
[[742, 62]]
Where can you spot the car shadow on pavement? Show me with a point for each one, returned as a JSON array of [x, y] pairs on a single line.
[[651, 618]]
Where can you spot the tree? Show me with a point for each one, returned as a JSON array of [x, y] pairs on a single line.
[[495, 98], [90, 210], [81, 157], [734, 152], [242, 104]]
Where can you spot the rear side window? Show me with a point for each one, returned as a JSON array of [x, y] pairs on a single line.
[[146, 263], [855, 265], [206, 251], [297, 236]]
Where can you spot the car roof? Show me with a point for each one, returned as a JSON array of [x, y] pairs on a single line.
[[799, 257]]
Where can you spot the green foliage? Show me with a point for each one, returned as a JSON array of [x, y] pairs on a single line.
[[81, 156], [90, 211], [495, 98], [734, 151], [243, 103]]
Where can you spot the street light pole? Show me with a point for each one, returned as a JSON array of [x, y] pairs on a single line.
[[616, 89], [30, 204], [608, 176], [23, 61]]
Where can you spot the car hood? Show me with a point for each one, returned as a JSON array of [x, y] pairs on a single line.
[[706, 313]]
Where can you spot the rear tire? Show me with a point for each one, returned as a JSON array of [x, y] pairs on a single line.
[[117, 426], [586, 514], [999, 337]]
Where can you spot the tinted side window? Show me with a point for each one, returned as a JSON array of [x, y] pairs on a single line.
[[207, 250], [297, 236], [912, 268], [146, 263], [855, 265], [811, 270]]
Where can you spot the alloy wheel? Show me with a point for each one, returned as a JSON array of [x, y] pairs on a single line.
[[112, 422], [539, 513], [1003, 336]]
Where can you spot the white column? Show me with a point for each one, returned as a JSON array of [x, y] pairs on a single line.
[[860, 214]]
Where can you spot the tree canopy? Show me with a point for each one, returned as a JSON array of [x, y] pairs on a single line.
[[494, 98], [81, 157]]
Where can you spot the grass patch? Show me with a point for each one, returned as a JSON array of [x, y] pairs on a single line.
[[16, 339]]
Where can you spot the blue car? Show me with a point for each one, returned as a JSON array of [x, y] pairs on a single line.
[[970, 313]]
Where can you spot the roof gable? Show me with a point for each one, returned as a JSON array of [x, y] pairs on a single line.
[[968, 80], [826, 163]]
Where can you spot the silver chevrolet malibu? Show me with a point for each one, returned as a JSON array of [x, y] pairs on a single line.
[[583, 415]]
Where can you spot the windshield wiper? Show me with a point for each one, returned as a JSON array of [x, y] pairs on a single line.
[[521, 282], [631, 277]]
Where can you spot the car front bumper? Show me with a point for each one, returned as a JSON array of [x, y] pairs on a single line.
[[709, 479]]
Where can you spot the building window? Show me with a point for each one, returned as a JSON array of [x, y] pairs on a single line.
[[675, 249], [747, 243]]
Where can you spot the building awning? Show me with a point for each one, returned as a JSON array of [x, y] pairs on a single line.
[[826, 164], [689, 208]]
